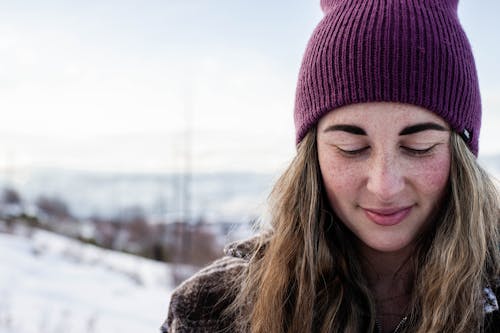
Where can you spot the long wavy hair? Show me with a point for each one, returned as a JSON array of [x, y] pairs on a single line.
[[306, 273]]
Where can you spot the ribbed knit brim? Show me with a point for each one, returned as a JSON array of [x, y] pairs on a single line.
[[407, 51]]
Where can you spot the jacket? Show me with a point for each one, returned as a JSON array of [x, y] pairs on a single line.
[[198, 304]]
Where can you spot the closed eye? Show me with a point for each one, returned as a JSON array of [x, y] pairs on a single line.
[[353, 152], [418, 152]]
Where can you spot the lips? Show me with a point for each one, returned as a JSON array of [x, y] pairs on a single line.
[[387, 216]]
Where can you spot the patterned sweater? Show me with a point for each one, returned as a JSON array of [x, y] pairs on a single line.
[[198, 304]]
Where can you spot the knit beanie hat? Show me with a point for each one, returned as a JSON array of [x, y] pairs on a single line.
[[406, 51]]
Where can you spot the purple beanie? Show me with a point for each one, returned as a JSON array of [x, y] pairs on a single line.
[[407, 51]]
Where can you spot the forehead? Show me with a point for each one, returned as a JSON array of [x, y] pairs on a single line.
[[381, 113]]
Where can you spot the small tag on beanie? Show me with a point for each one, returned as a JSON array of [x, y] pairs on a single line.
[[466, 135]]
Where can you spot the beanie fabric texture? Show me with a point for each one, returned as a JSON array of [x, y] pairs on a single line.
[[406, 51]]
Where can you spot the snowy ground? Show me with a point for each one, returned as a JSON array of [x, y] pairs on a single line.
[[52, 284]]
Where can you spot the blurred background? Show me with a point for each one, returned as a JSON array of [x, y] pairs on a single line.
[[139, 137]]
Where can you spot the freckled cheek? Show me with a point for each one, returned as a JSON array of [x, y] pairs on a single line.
[[339, 178], [432, 176]]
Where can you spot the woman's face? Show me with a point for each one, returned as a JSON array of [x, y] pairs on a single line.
[[385, 168]]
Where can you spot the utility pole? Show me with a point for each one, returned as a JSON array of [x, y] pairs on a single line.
[[9, 169], [186, 173]]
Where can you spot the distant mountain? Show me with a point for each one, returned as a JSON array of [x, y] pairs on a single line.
[[222, 197], [491, 163]]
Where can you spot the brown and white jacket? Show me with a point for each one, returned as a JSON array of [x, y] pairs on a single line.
[[198, 304]]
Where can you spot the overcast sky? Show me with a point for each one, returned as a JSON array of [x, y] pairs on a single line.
[[113, 85]]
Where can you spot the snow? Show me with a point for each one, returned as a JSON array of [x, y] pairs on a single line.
[[50, 284]]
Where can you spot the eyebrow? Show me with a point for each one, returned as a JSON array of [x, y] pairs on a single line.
[[352, 129], [346, 128], [422, 127]]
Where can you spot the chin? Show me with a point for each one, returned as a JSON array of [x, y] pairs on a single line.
[[387, 243]]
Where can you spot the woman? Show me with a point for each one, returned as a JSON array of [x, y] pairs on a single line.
[[383, 222]]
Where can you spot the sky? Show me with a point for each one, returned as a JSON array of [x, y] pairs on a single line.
[[152, 86]]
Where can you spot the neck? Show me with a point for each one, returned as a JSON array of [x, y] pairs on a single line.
[[390, 277], [388, 267]]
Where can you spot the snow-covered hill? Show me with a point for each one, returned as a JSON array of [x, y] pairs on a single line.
[[52, 284]]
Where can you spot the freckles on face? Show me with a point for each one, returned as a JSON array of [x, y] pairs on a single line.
[[384, 182], [431, 175]]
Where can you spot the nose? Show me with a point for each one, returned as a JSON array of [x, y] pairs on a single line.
[[385, 178]]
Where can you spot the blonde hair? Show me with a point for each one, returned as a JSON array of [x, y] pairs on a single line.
[[306, 275]]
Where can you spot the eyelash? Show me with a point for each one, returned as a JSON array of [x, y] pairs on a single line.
[[352, 153], [419, 152], [410, 151]]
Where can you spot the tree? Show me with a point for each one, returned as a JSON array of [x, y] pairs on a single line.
[[53, 207], [11, 197]]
